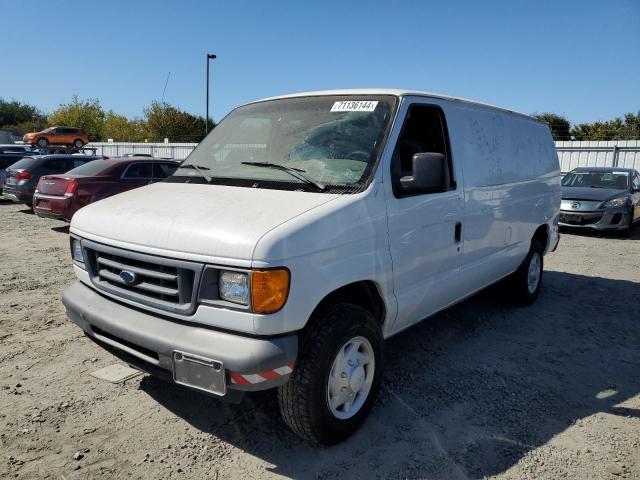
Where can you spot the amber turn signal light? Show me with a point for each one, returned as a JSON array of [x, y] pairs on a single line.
[[269, 289]]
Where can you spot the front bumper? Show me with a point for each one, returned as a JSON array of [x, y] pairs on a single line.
[[609, 219], [250, 363]]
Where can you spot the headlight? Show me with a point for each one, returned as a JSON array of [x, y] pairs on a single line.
[[234, 287], [266, 291], [616, 202], [76, 251]]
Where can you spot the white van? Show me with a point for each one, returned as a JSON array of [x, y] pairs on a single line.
[[306, 229]]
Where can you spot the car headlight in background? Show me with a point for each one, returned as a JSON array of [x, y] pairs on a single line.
[[76, 251], [615, 202], [266, 291], [234, 287]]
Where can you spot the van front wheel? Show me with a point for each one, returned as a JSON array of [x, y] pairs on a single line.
[[525, 282], [337, 375]]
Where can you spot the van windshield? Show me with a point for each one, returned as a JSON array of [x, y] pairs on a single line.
[[295, 143]]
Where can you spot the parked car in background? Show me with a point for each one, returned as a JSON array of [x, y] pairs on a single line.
[[132, 155], [10, 154], [602, 198], [23, 176], [60, 196], [306, 229], [57, 136]]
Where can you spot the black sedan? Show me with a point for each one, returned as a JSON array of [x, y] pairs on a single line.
[[603, 198]]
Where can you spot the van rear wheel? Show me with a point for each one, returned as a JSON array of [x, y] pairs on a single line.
[[525, 282], [78, 143], [337, 375]]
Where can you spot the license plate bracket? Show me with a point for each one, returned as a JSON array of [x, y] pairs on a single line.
[[199, 372]]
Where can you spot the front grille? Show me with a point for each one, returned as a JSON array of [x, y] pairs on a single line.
[[577, 219], [158, 282]]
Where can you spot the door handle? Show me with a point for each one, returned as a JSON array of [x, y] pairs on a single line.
[[458, 233]]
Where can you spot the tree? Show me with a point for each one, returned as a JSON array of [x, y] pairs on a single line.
[[166, 121], [121, 129], [616, 129], [86, 114], [559, 125], [21, 117]]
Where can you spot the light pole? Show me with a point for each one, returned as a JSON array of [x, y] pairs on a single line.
[[210, 56]]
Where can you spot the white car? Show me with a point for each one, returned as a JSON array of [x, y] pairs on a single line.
[[305, 230]]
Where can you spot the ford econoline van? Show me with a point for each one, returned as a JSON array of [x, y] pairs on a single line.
[[305, 230]]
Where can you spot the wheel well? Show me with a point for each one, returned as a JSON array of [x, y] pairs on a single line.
[[363, 294], [542, 235]]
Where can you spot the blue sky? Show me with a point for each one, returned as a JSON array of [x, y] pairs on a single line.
[[577, 58]]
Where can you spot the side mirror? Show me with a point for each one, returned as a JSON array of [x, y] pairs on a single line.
[[430, 174]]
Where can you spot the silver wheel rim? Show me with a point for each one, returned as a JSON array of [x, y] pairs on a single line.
[[351, 378], [533, 276]]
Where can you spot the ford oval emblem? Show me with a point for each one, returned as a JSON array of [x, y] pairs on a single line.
[[128, 277], [575, 205]]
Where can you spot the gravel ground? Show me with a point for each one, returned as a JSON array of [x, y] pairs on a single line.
[[481, 390]]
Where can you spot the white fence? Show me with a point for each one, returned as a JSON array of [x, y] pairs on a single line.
[[178, 151], [620, 153]]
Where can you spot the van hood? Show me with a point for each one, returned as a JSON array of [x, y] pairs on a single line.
[[187, 220]]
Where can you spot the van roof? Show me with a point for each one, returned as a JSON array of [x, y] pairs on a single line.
[[397, 93]]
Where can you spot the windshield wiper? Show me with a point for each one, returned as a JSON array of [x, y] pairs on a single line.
[[198, 168], [294, 172]]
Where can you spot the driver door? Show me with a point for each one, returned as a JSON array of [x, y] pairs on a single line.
[[425, 230]]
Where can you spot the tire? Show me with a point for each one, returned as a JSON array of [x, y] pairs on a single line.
[[304, 399], [42, 142], [78, 143], [522, 283]]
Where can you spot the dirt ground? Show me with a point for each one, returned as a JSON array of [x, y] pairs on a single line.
[[481, 390]]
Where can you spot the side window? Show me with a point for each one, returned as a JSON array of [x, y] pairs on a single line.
[[163, 170], [138, 171], [424, 131], [635, 183], [78, 162], [56, 165]]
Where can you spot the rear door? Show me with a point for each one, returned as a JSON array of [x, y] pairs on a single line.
[[162, 170], [425, 229], [66, 135], [137, 175]]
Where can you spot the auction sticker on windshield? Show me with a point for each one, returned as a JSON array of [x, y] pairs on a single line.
[[354, 106]]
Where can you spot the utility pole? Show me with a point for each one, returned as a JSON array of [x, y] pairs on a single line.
[[210, 56]]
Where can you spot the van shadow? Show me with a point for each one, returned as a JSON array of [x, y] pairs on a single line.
[[61, 229], [466, 393]]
